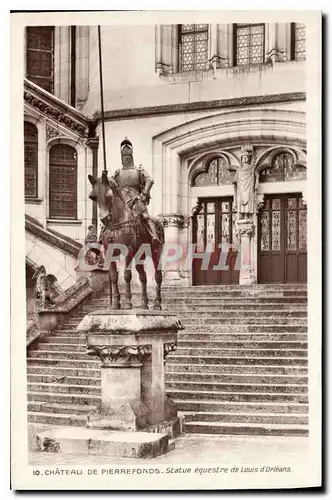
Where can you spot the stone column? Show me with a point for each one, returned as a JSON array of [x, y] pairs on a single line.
[[93, 144], [245, 228], [172, 225]]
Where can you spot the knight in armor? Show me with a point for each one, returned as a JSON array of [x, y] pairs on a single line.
[[135, 184]]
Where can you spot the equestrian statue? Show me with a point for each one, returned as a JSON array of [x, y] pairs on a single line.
[[122, 201]]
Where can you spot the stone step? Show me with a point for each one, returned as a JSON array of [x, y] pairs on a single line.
[[245, 320], [242, 314], [256, 429], [61, 371], [63, 362], [241, 352], [277, 408], [184, 336], [214, 304], [58, 397], [262, 388], [72, 355], [60, 408], [206, 377], [64, 388], [217, 360], [242, 328], [63, 379], [217, 344], [62, 347], [254, 418], [253, 397], [78, 340], [172, 366], [56, 419]]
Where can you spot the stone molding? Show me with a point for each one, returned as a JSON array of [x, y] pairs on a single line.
[[52, 107], [56, 240], [200, 106], [120, 355]]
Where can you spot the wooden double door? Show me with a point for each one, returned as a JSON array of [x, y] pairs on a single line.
[[282, 240], [213, 235]]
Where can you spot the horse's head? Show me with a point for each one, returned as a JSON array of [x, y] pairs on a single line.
[[101, 193]]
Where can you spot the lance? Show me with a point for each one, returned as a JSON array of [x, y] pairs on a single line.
[[102, 99]]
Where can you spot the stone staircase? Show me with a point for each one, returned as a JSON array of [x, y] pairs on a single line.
[[240, 367]]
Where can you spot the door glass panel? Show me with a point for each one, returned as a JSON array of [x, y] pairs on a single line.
[[210, 229], [292, 203], [276, 204], [265, 224], [302, 230], [225, 206], [210, 207], [291, 230], [275, 231], [225, 228], [200, 233]]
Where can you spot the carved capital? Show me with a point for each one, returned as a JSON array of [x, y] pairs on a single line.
[[169, 347], [177, 220], [245, 227], [120, 355]]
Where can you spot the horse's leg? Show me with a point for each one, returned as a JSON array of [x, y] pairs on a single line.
[[158, 279], [126, 304], [114, 283], [142, 277]]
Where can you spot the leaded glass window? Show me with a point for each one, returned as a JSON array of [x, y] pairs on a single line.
[[63, 182], [298, 41], [40, 56], [283, 169], [30, 160], [217, 174], [193, 44], [249, 44]]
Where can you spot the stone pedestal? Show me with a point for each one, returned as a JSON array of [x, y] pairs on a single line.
[[245, 230], [131, 346]]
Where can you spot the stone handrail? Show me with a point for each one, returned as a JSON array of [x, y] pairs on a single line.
[[49, 318]]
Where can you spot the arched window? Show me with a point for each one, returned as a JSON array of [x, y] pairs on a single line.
[[283, 169], [217, 174], [40, 56], [193, 46], [30, 160], [63, 182]]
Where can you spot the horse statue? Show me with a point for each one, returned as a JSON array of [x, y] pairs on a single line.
[[124, 218]]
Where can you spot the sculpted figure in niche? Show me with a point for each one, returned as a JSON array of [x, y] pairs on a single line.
[[244, 183]]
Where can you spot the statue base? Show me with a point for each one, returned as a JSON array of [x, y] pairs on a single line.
[[78, 440], [132, 346]]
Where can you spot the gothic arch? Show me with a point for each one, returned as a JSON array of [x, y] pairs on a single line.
[[174, 148]]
